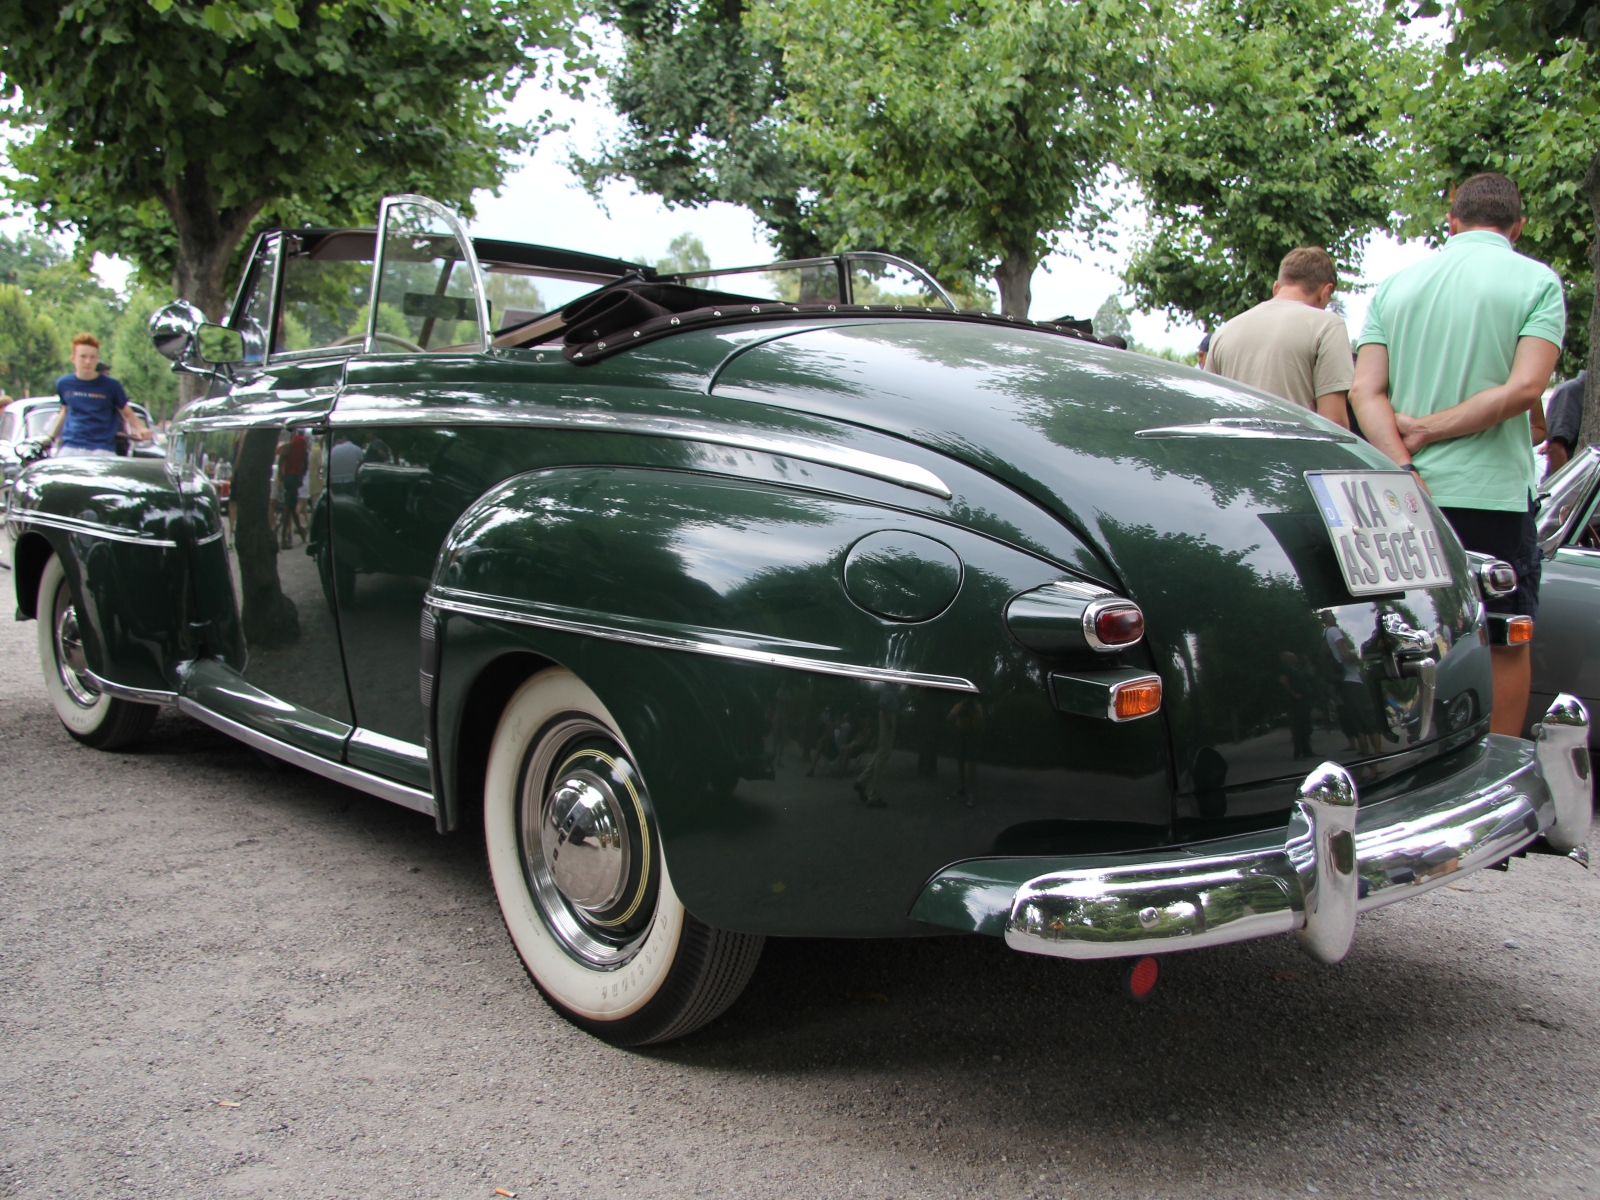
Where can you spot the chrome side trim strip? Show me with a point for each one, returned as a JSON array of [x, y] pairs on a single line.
[[828, 454], [123, 692], [376, 785], [1248, 427], [110, 533], [387, 745], [208, 539], [656, 641]]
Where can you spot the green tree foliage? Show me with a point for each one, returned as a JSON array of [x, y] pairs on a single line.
[[1112, 319], [164, 130], [973, 131], [684, 253], [697, 89], [1268, 134], [1537, 123], [30, 345], [59, 293]]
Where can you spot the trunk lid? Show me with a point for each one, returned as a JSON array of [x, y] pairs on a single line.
[[1218, 538]]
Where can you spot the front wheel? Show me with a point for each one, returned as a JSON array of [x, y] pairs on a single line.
[[95, 719], [583, 886]]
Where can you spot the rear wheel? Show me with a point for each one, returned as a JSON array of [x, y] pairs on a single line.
[[583, 887], [95, 719]]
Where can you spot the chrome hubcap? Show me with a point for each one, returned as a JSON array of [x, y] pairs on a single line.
[[587, 844], [70, 662]]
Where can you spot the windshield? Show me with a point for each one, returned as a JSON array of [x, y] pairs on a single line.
[[868, 279]]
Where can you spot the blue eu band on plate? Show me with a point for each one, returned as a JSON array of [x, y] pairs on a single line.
[[1382, 529]]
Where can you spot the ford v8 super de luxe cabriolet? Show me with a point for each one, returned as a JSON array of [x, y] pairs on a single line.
[[790, 601]]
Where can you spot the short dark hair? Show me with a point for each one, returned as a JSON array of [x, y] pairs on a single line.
[[1309, 266], [1487, 199]]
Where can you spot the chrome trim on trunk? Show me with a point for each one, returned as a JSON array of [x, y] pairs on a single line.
[[782, 445], [1249, 427], [494, 611], [376, 785]]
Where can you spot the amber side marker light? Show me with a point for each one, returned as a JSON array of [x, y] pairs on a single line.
[[1136, 698], [1519, 631]]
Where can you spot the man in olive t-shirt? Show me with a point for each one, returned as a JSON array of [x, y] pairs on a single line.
[[1291, 345], [1456, 350]]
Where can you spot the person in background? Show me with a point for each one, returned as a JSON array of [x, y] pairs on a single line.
[[1564, 420], [293, 458], [1205, 349], [1291, 345], [1456, 351], [91, 404]]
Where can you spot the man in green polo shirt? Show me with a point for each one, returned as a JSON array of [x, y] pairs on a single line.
[[1456, 350]]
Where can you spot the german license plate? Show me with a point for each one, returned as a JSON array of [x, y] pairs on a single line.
[[1382, 530]]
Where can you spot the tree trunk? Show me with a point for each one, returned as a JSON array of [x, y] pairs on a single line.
[[1014, 276], [207, 238], [1590, 430]]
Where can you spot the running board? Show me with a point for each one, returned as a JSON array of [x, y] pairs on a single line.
[[376, 785]]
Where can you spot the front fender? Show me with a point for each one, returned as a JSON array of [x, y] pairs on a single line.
[[117, 526], [791, 738]]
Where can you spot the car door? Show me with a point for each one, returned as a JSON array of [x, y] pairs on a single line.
[[1566, 642], [394, 484], [271, 659]]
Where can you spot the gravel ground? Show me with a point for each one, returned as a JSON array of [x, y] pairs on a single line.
[[224, 977]]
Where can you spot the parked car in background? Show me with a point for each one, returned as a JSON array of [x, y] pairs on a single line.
[[1566, 637], [790, 600]]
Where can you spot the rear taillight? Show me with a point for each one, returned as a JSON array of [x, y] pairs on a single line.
[[1068, 616], [1116, 623]]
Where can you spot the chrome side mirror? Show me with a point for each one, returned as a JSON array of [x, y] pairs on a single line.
[[173, 329], [219, 345]]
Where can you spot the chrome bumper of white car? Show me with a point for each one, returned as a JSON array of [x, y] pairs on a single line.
[[1337, 861]]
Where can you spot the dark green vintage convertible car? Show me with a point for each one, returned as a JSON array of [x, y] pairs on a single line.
[[790, 601]]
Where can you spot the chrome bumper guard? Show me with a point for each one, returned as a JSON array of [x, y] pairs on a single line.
[[1331, 867]]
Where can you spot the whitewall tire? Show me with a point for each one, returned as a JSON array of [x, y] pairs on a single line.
[[93, 718], [583, 886]]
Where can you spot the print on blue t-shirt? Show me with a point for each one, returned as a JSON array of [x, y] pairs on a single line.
[[92, 407]]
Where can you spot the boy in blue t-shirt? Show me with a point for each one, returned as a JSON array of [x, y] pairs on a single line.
[[91, 406]]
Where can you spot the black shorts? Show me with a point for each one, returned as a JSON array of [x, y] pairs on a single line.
[[1508, 535]]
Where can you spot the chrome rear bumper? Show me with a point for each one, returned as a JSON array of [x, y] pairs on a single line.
[[1337, 861]]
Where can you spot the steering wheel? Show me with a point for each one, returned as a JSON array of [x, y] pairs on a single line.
[[380, 336]]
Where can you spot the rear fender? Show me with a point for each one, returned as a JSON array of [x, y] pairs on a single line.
[[711, 617], [117, 525]]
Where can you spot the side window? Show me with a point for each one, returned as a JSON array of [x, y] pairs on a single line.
[[8, 427], [427, 285], [327, 279], [255, 316]]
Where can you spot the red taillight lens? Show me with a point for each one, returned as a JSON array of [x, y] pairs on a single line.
[[1142, 978], [1119, 625], [1137, 698]]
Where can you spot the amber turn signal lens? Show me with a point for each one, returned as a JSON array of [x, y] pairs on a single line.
[[1519, 631], [1121, 625], [1137, 698]]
